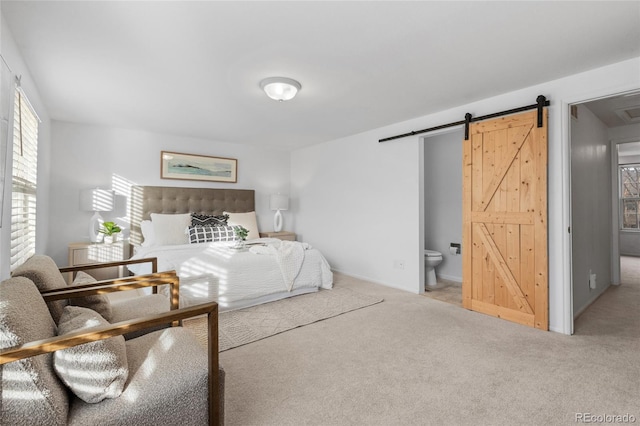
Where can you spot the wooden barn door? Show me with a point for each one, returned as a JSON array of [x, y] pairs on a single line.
[[505, 219]]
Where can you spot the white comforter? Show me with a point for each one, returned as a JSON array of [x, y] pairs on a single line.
[[239, 278]]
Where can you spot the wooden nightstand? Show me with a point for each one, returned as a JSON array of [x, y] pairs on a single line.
[[283, 235], [85, 252]]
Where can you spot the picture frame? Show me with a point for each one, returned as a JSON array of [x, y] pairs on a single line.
[[175, 165]]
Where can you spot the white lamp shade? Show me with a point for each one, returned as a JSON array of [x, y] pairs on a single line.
[[97, 200], [280, 88], [279, 202]]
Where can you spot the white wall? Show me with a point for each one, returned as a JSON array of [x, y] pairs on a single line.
[[625, 133], [591, 207], [629, 159], [90, 156], [13, 57], [443, 199], [360, 201], [355, 200]]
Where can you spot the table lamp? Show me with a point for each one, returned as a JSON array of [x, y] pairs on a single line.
[[96, 200], [278, 202]]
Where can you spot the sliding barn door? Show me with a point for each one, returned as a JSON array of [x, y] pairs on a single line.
[[505, 219]]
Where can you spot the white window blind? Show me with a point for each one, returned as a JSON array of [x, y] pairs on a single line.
[[24, 181]]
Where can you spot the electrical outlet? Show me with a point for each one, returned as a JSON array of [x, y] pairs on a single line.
[[592, 281], [398, 264]]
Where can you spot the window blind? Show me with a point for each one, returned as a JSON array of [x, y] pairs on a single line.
[[24, 181]]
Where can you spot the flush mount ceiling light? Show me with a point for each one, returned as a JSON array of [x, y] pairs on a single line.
[[280, 88]]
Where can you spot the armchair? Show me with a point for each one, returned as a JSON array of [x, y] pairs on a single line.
[[45, 274], [171, 379]]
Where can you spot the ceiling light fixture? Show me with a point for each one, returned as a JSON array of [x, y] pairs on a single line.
[[280, 88]]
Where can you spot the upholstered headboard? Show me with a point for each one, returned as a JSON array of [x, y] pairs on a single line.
[[170, 199]]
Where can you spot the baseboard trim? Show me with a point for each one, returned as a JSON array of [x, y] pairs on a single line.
[[589, 303], [450, 278], [362, 277]]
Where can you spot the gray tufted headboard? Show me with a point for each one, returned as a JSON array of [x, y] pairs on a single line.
[[170, 199]]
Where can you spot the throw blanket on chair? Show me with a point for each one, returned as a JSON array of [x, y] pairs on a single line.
[[288, 254]]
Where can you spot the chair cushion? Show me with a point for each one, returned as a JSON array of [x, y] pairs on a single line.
[[44, 273], [137, 307], [96, 370], [31, 392], [98, 302], [167, 384]]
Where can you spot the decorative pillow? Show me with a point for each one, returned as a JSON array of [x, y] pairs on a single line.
[[171, 229], [206, 234], [102, 364], [208, 220], [248, 220], [148, 236], [98, 302]]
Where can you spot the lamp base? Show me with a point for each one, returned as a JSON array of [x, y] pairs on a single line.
[[95, 223], [277, 221]]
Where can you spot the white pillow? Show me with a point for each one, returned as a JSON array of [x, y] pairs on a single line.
[[148, 236], [170, 229], [247, 220], [102, 364]]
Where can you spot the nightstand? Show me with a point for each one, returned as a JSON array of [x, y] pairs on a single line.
[[283, 235], [85, 252]]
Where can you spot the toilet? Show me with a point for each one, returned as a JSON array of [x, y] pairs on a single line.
[[432, 259]]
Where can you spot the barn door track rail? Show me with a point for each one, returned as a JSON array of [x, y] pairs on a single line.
[[541, 102]]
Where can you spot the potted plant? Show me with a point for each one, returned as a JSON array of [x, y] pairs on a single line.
[[241, 235], [110, 231]]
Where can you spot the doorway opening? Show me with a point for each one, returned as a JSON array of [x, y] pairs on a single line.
[[626, 215], [604, 137], [443, 214]]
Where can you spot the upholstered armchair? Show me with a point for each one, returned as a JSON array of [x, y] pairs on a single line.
[[81, 371], [49, 279]]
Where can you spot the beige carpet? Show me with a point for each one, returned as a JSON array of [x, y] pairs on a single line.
[[248, 325], [413, 360]]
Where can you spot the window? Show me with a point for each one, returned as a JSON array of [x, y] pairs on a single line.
[[630, 195], [24, 179]]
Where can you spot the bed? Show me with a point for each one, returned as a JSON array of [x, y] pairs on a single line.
[[265, 270]]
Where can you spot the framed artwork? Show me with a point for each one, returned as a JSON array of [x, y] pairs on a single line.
[[174, 165]]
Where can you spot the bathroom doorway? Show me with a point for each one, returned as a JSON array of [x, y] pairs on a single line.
[[443, 212]]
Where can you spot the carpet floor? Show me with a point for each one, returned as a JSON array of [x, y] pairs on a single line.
[[413, 360], [630, 270]]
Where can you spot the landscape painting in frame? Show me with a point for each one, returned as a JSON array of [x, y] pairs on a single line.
[[198, 167]]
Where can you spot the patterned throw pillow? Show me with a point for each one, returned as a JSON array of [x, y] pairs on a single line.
[[207, 234], [208, 220]]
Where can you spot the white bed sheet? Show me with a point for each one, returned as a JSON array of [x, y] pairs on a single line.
[[233, 278]]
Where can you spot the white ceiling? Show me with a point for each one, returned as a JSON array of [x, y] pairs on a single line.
[[613, 111], [193, 68]]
